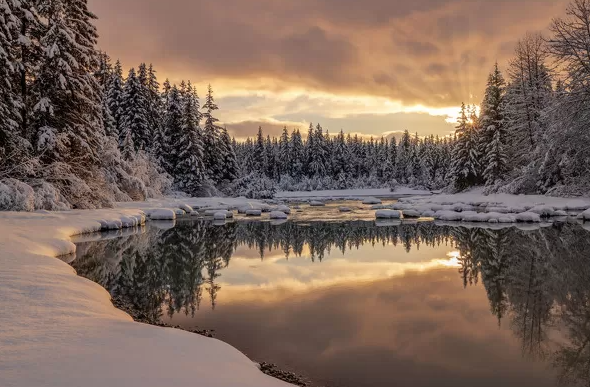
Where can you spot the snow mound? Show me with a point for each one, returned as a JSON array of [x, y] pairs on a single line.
[[186, 208], [411, 214], [370, 201], [195, 213], [528, 217], [388, 214], [278, 215], [162, 214], [221, 215], [254, 213], [315, 203], [285, 209], [450, 216], [545, 211]]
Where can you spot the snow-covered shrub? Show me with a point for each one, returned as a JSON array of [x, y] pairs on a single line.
[[254, 186], [47, 197], [16, 196]]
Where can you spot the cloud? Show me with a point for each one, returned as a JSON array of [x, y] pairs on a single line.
[[432, 53]]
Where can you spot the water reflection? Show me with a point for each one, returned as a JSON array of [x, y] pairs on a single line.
[[536, 283]]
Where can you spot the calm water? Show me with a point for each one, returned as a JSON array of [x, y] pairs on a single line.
[[354, 304]]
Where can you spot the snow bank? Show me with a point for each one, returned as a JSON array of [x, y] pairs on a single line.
[[58, 329], [388, 214], [499, 208], [350, 194]]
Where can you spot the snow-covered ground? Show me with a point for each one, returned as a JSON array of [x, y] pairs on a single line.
[[350, 194], [61, 330]]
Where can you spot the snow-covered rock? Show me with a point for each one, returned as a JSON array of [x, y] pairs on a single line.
[[221, 215], [285, 209], [185, 207], [585, 215], [369, 201], [545, 211], [378, 207], [411, 214], [388, 214], [162, 214], [450, 216], [528, 217], [315, 203], [254, 213], [278, 215], [195, 213]]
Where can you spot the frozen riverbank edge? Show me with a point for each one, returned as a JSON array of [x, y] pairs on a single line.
[[59, 329]]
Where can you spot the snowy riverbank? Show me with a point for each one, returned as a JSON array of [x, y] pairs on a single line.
[[61, 330], [350, 194], [499, 208]]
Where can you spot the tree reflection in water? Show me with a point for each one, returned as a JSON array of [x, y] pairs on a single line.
[[539, 280]]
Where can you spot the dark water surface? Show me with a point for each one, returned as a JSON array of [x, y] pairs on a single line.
[[354, 304]]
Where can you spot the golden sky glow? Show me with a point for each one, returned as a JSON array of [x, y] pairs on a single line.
[[372, 67]]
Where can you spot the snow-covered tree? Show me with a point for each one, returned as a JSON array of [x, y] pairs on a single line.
[[213, 155], [189, 171], [134, 113], [493, 133], [465, 156]]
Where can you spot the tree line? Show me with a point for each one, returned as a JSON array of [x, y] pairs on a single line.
[[322, 161]]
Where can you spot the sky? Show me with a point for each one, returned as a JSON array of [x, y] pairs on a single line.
[[373, 67]]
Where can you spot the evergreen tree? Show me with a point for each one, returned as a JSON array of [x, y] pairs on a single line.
[[297, 155], [68, 115], [173, 123], [213, 156], [465, 155], [114, 98], [189, 172], [134, 117], [284, 153], [230, 163]]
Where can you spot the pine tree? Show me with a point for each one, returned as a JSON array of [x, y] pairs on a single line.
[[465, 155], [114, 97], [297, 155], [8, 98], [134, 117], [189, 170], [230, 163], [284, 153], [211, 139], [69, 112], [173, 121], [259, 155], [27, 53]]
